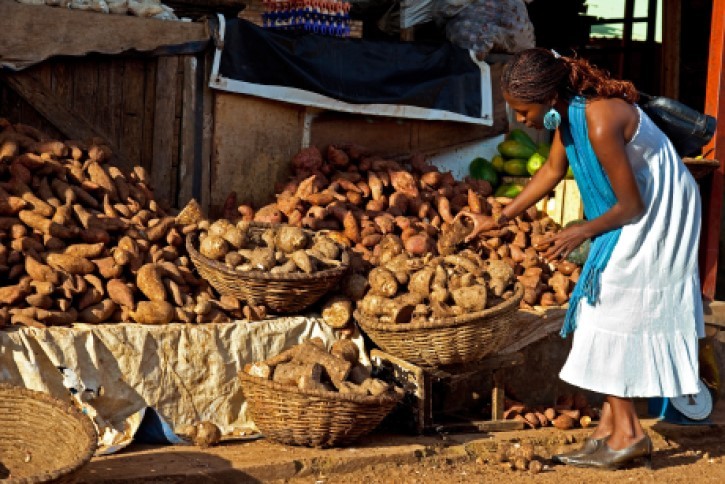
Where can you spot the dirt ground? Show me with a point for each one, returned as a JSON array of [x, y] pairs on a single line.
[[683, 453], [672, 463]]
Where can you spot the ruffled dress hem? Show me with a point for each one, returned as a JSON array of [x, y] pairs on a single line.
[[631, 365]]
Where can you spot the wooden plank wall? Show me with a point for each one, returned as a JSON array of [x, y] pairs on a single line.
[[144, 107]]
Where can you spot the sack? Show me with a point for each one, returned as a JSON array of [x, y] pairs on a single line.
[[688, 129]]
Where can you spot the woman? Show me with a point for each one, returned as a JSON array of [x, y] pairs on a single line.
[[636, 309]]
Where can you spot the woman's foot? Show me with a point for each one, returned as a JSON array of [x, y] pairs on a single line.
[[590, 446], [607, 458]]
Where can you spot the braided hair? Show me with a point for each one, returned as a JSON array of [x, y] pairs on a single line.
[[537, 76]]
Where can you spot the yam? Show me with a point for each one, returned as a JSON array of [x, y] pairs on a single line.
[[120, 293], [214, 247], [421, 281], [327, 247], [337, 312], [153, 312], [9, 295], [383, 282], [501, 274], [120, 182], [471, 298], [45, 225], [150, 283], [291, 239], [99, 176], [108, 268], [160, 230], [90, 297], [337, 369], [98, 313], [290, 373], [346, 350], [41, 272], [70, 263], [301, 260]]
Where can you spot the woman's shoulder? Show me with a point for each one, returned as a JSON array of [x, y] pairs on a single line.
[[611, 113]]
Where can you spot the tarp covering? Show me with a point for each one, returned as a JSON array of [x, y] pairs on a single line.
[[185, 372], [401, 79], [30, 34]]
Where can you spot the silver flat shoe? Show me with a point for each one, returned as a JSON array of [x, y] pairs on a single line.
[[606, 458], [590, 446]]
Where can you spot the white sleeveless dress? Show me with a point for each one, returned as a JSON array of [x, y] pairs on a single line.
[[641, 338]]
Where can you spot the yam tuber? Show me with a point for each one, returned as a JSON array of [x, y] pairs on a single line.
[[337, 312], [153, 312]]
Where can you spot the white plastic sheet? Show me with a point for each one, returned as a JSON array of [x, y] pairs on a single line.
[[185, 372]]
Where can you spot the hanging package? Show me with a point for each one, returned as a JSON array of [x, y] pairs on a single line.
[[689, 130]]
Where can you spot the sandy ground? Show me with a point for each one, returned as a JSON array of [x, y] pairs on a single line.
[[682, 454]]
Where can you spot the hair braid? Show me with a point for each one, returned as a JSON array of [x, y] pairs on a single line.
[[537, 76]]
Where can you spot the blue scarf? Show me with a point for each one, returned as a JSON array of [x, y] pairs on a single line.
[[598, 198]]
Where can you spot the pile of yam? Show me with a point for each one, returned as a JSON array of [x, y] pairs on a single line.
[[570, 411], [277, 250], [363, 197], [519, 457], [82, 241], [311, 366], [407, 289]]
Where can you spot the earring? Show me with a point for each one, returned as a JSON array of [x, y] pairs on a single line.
[[552, 119]]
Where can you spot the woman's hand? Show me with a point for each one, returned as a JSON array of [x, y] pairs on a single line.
[[481, 223], [566, 241]]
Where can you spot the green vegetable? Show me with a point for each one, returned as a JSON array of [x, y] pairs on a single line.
[[497, 162], [514, 149], [535, 163], [509, 190], [522, 137], [515, 167], [481, 169], [579, 255], [543, 149]]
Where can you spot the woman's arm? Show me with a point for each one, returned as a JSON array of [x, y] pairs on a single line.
[[608, 120], [551, 173]]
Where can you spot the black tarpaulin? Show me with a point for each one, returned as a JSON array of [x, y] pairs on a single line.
[[401, 79]]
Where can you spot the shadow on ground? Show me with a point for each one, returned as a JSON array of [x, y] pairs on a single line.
[[171, 466]]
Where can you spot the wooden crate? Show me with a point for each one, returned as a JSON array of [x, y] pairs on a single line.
[[563, 205], [566, 203], [152, 111]]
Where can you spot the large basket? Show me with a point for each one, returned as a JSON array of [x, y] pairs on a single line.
[[280, 293], [312, 418], [449, 341], [42, 439]]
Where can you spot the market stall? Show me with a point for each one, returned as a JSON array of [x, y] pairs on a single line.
[[140, 198]]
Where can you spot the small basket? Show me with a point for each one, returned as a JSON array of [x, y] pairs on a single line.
[[280, 293], [448, 341], [42, 439], [288, 415]]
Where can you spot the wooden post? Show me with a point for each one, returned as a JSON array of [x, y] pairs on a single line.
[[713, 191], [497, 396], [162, 173], [671, 38]]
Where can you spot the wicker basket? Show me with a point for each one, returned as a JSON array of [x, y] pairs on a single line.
[[312, 418], [42, 439], [449, 341], [280, 293]]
